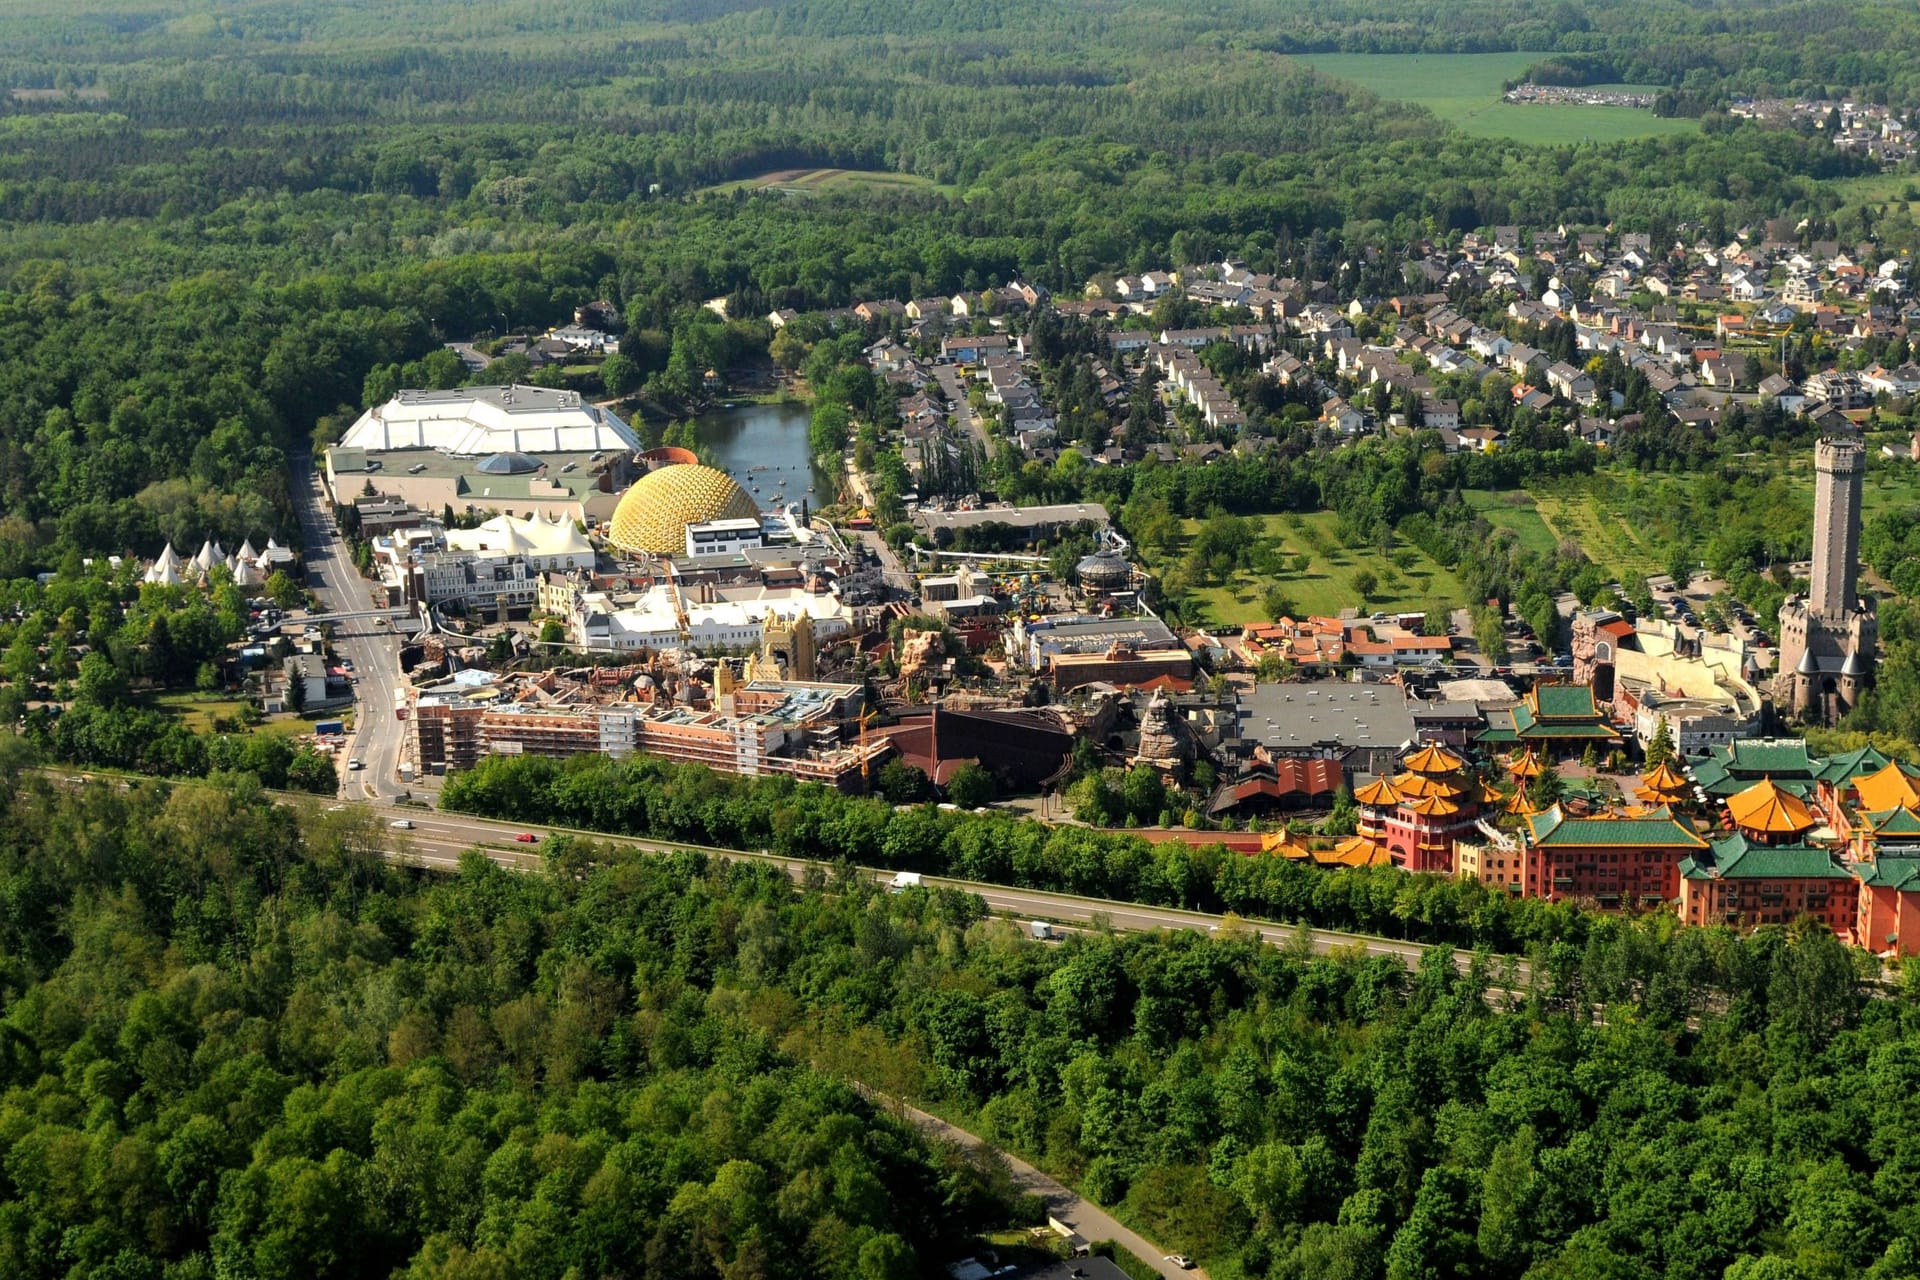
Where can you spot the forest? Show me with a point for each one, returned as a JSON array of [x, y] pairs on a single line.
[[236, 1043]]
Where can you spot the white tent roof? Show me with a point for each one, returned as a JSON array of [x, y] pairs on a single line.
[[481, 421], [509, 535]]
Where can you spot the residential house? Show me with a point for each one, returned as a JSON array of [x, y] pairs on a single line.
[[1440, 414], [1342, 417]]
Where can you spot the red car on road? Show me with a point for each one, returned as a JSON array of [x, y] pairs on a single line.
[[527, 837]]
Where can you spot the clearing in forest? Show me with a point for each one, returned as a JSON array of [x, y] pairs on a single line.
[[1515, 511], [1464, 90], [803, 182]]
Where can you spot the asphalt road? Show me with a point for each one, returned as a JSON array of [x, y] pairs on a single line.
[[1064, 1204], [374, 648], [955, 391], [438, 839]]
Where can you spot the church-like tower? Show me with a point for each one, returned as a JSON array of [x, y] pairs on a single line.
[[1829, 637]]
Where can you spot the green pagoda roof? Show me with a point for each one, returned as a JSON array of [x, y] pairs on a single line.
[[1890, 873], [1847, 765], [1898, 821], [1737, 858], [1564, 702], [1552, 829], [1769, 756], [1732, 768], [1529, 728]]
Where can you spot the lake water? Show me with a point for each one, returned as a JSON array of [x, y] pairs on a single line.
[[762, 445]]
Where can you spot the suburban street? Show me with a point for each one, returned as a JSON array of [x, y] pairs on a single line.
[[374, 649], [956, 393]]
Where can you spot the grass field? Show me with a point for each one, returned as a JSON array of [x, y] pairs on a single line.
[[1879, 188], [197, 711], [804, 182], [1327, 586], [1517, 512], [1464, 90]]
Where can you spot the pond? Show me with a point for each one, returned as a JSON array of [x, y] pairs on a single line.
[[764, 447]]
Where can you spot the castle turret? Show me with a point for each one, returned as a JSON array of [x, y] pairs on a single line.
[[1828, 638], [1841, 468]]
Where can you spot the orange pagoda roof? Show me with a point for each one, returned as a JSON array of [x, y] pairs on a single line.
[[1284, 844], [1378, 792], [1890, 787], [1357, 851], [1663, 784], [1434, 806], [1525, 764], [1412, 786], [1767, 810], [1434, 758], [1518, 802]]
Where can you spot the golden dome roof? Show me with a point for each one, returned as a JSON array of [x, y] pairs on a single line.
[[655, 512]]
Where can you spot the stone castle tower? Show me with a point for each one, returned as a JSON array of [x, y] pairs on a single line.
[[791, 645], [1828, 638]]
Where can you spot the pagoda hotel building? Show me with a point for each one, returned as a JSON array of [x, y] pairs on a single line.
[[1419, 815]]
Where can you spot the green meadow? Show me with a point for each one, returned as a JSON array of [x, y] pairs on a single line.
[[1464, 90]]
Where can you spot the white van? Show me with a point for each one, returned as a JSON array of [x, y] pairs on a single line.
[[404, 824], [903, 881], [1041, 930]]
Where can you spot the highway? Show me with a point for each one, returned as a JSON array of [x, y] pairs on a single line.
[[372, 646], [438, 839]]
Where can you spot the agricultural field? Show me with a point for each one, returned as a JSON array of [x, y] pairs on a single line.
[[806, 182], [1464, 90], [1573, 512], [1408, 579]]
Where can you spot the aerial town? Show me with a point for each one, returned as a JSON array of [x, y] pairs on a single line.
[[1099, 640], [555, 587]]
